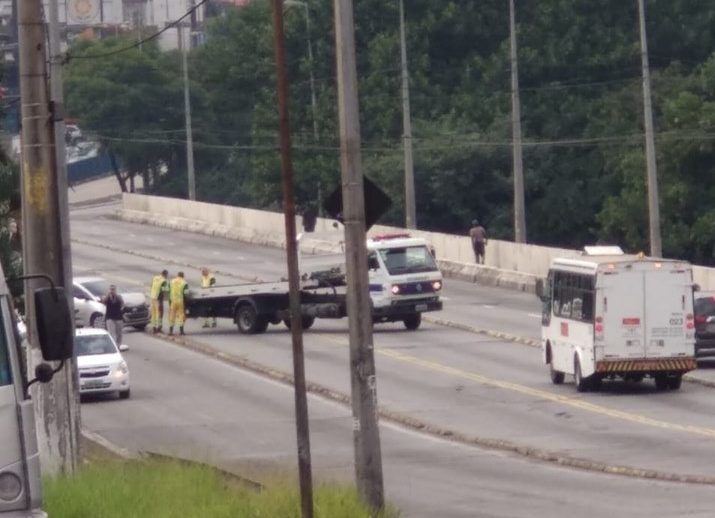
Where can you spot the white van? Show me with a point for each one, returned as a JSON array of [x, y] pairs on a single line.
[[607, 315]]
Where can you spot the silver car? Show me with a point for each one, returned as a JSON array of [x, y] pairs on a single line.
[[92, 289]]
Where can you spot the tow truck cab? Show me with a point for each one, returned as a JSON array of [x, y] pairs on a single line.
[[404, 279]]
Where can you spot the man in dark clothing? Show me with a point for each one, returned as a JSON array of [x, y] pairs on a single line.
[[114, 318], [478, 235]]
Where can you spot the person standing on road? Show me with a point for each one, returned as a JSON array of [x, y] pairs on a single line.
[[478, 235], [159, 286], [114, 317], [177, 296], [207, 280]]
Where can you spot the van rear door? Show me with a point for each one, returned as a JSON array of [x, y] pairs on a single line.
[[620, 305], [669, 309]]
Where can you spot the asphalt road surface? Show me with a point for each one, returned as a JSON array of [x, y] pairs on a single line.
[[479, 387]]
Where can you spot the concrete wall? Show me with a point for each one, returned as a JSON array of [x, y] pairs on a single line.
[[508, 264]]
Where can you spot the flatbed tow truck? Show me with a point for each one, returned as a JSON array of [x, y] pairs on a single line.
[[404, 283]]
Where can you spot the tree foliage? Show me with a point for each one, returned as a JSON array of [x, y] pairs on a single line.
[[582, 113]]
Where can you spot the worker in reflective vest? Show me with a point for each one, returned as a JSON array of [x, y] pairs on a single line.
[[208, 280], [159, 286], [177, 310]]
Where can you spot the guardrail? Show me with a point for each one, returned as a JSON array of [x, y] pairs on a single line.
[[510, 265]]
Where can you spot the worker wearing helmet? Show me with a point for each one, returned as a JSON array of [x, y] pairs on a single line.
[[208, 280], [177, 294], [159, 287]]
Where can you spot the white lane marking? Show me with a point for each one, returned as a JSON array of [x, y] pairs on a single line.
[[445, 298], [488, 306], [216, 252], [241, 258], [534, 315]]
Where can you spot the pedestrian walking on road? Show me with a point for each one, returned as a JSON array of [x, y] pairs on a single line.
[[159, 287], [207, 280], [114, 316], [478, 235], [177, 309]]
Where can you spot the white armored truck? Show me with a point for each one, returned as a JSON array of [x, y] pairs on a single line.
[[607, 314], [404, 283]]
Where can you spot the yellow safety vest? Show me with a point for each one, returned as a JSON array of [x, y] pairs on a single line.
[[158, 285], [178, 287], [207, 281]]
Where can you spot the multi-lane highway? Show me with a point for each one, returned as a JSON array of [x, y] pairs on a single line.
[[471, 386]]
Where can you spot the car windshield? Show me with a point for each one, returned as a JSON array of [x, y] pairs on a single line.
[[88, 345], [408, 259], [97, 288]]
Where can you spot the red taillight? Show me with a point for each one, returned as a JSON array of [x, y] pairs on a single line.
[[690, 325], [599, 328], [700, 319]]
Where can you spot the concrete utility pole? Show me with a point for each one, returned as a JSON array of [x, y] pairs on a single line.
[[184, 47], [519, 202], [296, 326], [410, 208], [656, 247], [366, 434], [45, 236]]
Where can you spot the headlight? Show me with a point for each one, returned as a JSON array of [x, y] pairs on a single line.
[[395, 289], [122, 369], [10, 487], [437, 285]]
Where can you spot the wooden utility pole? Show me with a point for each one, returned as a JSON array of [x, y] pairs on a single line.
[[519, 199], [45, 237], [296, 325], [366, 434], [656, 247], [410, 205], [184, 47]]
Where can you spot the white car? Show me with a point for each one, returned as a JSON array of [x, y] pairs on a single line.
[[102, 368], [90, 312]]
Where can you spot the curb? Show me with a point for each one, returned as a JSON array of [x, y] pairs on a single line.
[[109, 445], [439, 432], [482, 331]]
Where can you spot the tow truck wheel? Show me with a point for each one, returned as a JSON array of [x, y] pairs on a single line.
[[248, 321], [306, 322], [412, 322]]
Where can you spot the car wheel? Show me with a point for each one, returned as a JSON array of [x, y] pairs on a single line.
[[412, 322], [661, 381], [581, 382], [97, 320], [674, 382], [125, 394], [557, 377]]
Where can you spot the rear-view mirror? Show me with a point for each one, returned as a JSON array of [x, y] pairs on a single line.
[[54, 324], [696, 287], [123, 348], [372, 263], [44, 373], [539, 288]]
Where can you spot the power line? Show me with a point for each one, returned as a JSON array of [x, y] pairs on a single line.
[[136, 44]]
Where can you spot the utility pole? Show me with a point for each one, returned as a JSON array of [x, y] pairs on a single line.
[[366, 433], [311, 72], [410, 209], [656, 247], [184, 47], [519, 202], [296, 326], [45, 231]]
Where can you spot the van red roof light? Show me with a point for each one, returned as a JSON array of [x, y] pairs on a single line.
[[385, 237]]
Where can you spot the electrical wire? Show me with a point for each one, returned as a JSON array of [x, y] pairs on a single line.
[[136, 44]]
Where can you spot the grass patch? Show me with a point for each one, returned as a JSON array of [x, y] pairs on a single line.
[[168, 489]]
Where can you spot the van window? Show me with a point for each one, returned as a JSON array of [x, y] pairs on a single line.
[[5, 374], [573, 296]]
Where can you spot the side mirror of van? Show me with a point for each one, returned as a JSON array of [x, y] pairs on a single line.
[[539, 288], [372, 263], [54, 324], [696, 287]]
